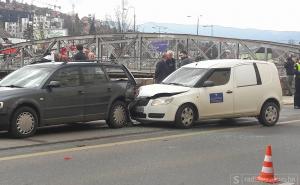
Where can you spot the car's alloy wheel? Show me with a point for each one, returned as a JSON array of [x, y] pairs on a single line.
[[269, 114], [24, 122], [185, 116], [118, 115]]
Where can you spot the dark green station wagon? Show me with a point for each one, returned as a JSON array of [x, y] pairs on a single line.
[[57, 93]]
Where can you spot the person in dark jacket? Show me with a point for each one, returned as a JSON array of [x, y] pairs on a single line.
[[164, 67], [184, 59], [289, 68], [79, 56], [297, 85]]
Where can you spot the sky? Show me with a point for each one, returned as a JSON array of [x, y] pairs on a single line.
[[260, 14]]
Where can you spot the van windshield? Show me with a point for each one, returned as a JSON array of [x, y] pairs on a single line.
[[28, 76], [185, 76]]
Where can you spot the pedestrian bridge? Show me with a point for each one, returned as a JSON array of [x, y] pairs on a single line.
[[140, 51]]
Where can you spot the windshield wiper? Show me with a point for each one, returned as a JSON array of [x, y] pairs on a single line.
[[12, 86], [173, 83]]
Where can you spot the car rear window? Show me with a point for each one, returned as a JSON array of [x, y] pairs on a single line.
[[116, 73]]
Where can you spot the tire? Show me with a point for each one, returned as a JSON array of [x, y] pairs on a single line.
[[185, 116], [118, 115], [24, 122], [269, 114]]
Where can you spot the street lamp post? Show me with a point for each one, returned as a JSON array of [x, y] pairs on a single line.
[[198, 19], [211, 29], [159, 28], [134, 17]]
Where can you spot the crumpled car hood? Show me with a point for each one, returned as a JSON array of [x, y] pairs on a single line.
[[161, 90]]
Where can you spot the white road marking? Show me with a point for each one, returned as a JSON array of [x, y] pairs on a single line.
[[292, 121]]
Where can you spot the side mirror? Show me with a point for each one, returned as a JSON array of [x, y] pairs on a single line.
[[53, 84], [208, 84]]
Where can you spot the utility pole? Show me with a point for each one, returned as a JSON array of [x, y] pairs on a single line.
[[211, 29], [134, 18], [198, 19], [122, 18], [159, 28], [198, 25]]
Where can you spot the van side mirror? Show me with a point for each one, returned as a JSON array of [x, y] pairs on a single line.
[[53, 84], [208, 84]]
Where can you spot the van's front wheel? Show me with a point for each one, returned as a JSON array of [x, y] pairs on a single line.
[[269, 114], [185, 116]]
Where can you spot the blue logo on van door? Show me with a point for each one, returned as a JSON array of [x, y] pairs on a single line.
[[216, 97]]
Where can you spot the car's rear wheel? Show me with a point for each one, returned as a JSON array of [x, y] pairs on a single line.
[[118, 116], [24, 122], [269, 114], [185, 116]]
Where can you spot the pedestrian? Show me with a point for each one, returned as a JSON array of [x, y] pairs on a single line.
[[184, 59], [89, 54], [289, 68], [164, 67], [171, 62], [79, 56], [57, 57], [297, 85]]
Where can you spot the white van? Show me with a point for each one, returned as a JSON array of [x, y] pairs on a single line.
[[228, 88]]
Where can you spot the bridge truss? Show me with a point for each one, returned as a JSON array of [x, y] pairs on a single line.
[[140, 51]]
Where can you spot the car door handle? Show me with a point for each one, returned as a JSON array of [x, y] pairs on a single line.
[[229, 91], [109, 89], [81, 92]]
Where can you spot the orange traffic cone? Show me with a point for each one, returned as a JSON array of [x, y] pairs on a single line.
[[267, 172]]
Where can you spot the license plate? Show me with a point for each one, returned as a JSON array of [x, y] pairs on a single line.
[[139, 109]]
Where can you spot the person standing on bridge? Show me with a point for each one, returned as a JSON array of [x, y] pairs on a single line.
[[164, 67], [289, 68], [297, 85], [79, 56]]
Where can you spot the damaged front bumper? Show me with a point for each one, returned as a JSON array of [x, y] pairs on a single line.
[[142, 110]]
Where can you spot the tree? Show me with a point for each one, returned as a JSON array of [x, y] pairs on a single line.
[[77, 26], [28, 32], [73, 24], [39, 32], [92, 30]]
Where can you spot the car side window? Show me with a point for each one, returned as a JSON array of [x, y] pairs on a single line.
[[92, 75], [245, 76], [220, 76], [68, 77], [116, 73]]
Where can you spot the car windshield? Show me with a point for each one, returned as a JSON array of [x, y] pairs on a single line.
[[29, 77], [185, 76]]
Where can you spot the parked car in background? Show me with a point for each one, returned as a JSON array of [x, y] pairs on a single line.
[[55, 93], [212, 89]]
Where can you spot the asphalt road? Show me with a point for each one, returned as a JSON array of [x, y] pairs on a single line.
[[213, 152]]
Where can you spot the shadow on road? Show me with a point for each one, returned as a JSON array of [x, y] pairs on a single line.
[[215, 123], [161, 126], [64, 128]]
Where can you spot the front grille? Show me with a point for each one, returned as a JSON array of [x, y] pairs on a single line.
[[142, 102]]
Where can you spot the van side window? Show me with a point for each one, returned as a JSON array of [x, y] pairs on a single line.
[[220, 76], [245, 76]]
